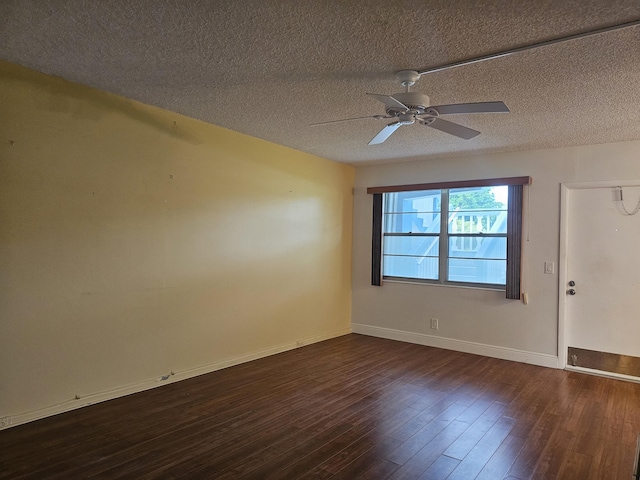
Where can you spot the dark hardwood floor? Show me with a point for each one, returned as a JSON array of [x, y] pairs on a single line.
[[352, 407]]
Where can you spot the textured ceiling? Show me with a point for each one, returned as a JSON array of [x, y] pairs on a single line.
[[269, 68]]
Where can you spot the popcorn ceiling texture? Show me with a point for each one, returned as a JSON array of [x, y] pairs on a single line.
[[269, 68]]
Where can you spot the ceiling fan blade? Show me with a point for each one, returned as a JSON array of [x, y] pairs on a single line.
[[479, 107], [452, 128], [389, 101], [349, 119], [385, 133]]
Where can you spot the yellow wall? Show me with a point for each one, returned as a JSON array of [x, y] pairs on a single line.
[[135, 242]]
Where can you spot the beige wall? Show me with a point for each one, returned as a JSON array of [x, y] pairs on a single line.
[[135, 242], [474, 320]]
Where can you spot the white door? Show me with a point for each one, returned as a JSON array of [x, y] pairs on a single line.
[[603, 259]]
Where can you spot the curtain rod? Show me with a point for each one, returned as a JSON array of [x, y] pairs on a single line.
[[487, 182]]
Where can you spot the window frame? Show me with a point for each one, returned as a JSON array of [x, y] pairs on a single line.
[[444, 236], [514, 230]]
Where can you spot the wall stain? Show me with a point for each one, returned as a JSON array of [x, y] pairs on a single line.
[[68, 97]]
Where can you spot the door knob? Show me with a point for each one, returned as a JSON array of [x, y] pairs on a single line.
[[571, 291], [572, 283]]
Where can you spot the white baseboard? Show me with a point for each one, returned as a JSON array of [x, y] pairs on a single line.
[[503, 353], [175, 376]]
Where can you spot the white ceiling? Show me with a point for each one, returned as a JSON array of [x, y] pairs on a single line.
[[269, 68]]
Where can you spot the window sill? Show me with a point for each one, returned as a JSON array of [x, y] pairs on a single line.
[[446, 285]]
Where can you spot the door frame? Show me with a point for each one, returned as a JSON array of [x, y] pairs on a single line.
[[563, 279]]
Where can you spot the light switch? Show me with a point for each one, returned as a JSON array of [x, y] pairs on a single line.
[[548, 268]]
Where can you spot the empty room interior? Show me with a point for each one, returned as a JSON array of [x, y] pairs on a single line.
[[279, 239]]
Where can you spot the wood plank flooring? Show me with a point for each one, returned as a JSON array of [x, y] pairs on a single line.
[[354, 407]]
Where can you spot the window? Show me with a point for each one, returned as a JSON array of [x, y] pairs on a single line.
[[458, 233], [446, 235]]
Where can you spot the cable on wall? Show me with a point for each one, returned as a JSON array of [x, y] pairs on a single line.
[[506, 53], [620, 203]]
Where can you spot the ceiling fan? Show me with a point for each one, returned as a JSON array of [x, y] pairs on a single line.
[[407, 108]]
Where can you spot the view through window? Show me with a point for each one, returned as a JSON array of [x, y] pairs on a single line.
[[454, 235]]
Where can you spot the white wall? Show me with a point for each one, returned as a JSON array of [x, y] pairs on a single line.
[[475, 320]]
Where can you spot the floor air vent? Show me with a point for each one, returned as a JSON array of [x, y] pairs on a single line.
[[603, 361]]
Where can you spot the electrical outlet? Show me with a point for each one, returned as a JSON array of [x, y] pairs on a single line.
[[434, 323], [5, 422]]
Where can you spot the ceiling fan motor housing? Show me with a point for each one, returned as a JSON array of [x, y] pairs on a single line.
[[416, 102]]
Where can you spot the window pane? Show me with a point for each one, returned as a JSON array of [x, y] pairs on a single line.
[[478, 209], [478, 271], [410, 267], [416, 246], [478, 247], [415, 212]]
